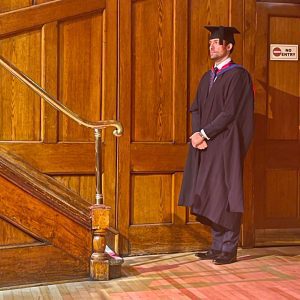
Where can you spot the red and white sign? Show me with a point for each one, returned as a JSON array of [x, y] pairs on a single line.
[[283, 52]]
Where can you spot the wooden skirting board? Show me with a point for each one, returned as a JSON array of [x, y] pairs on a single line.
[[277, 237]]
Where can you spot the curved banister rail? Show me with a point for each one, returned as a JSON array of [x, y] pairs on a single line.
[[58, 105]]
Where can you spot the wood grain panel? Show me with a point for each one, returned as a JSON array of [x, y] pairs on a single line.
[[280, 1], [277, 237], [283, 186], [20, 107], [260, 110], [80, 74], [8, 5], [109, 106], [38, 15], [236, 19], [39, 265], [151, 199], [287, 154], [41, 220], [10, 235], [247, 233], [152, 32], [62, 158], [198, 45], [284, 81], [179, 211], [49, 81], [217, 12], [180, 85], [85, 186], [164, 239], [41, 1], [125, 116], [158, 157]]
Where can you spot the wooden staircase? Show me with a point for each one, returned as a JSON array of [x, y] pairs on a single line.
[[45, 229]]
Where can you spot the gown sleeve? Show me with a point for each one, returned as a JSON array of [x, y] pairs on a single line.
[[239, 91], [195, 110]]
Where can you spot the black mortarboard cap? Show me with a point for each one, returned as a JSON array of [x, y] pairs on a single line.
[[222, 33]]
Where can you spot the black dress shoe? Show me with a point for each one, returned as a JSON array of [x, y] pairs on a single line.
[[210, 254], [225, 258]]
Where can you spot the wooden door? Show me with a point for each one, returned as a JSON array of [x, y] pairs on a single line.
[[163, 54], [277, 148], [69, 48]]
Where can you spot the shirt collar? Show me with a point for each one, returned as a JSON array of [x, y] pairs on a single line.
[[223, 63]]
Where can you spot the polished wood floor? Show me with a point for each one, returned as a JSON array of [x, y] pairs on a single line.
[[261, 273]]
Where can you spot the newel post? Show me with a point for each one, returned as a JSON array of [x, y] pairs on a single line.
[[99, 262]]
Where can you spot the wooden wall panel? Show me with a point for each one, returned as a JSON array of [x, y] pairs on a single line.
[[10, 235], [41, 1], [179, 215], [152, 59], [37, 15], [40, 264], [249, 25], [109, 106], [151, 199], [236, 19], [199, 61], [282, 185], [20, 107], [8, 5], [284, 82], [85, 186], [80, 74], [49, 71]]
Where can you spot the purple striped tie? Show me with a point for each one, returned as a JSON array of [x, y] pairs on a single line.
[[212, 78]]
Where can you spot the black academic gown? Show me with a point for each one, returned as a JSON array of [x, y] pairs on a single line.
[[213, 178]]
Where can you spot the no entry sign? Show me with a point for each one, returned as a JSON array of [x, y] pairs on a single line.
[[283, 52]]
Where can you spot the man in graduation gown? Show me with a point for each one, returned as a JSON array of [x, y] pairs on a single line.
[[222, 127]]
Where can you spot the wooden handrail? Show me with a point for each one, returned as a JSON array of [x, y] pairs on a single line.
[[57, 104]]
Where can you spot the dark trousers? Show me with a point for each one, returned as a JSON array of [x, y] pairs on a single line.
[[224, 239]]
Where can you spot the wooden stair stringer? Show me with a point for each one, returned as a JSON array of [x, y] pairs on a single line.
[[44, 188], [55, 216]]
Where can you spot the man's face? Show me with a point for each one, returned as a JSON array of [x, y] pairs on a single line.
[[218, 52]]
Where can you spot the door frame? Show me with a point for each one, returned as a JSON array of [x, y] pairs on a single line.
[[263, 11]]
